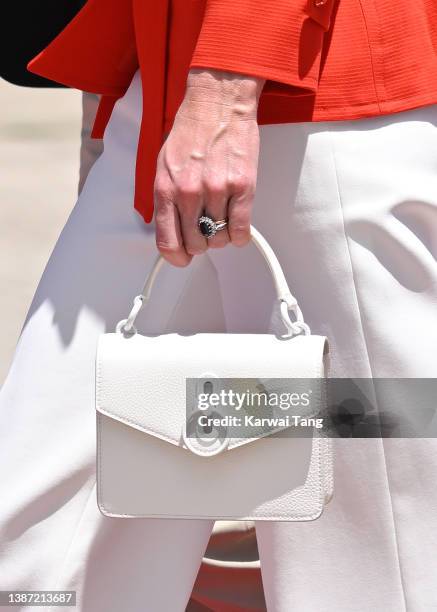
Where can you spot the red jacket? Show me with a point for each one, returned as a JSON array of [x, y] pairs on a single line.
[[323, 59]]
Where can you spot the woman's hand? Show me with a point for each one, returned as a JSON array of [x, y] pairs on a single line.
[[208, 164]]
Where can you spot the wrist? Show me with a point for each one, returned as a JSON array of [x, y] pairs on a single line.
[[238, 92]]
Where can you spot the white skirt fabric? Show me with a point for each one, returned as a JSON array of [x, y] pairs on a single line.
[[350, 208]]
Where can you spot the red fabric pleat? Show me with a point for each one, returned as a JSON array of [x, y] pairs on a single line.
[[104, 112]]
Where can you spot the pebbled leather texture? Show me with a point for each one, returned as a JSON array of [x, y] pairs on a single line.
[[146, 469]]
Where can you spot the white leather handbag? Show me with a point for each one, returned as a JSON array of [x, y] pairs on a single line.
[[149, 464]]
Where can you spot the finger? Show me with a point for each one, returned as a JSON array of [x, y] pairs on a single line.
[[216, 200], [189, 205], [240, 212], [169, 239]]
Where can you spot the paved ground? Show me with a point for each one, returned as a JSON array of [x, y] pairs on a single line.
[[39, 166]]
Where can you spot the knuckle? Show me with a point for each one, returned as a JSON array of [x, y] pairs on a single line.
[[161, 213], [188, 190], [168, 249], [174, 254], [195, 247], [161, 188], [240, 232], [239, 228], [215, 187], [194, 250], [162, 196], [239, 183]]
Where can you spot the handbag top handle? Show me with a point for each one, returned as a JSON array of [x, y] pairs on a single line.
[[286, 300]]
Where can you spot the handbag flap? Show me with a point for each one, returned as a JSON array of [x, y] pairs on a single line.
[[141, 380]]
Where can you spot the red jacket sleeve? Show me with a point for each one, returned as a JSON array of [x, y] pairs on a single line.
[[278, 40]]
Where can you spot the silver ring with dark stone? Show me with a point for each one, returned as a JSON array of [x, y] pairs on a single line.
[[208, 227]]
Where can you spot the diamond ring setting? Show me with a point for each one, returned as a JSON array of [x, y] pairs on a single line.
[[208, 227]]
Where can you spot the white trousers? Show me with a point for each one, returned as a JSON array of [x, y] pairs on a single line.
[[351, 211]]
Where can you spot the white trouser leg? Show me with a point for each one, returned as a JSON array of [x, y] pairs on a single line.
[[52, 535], [351, 211]]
